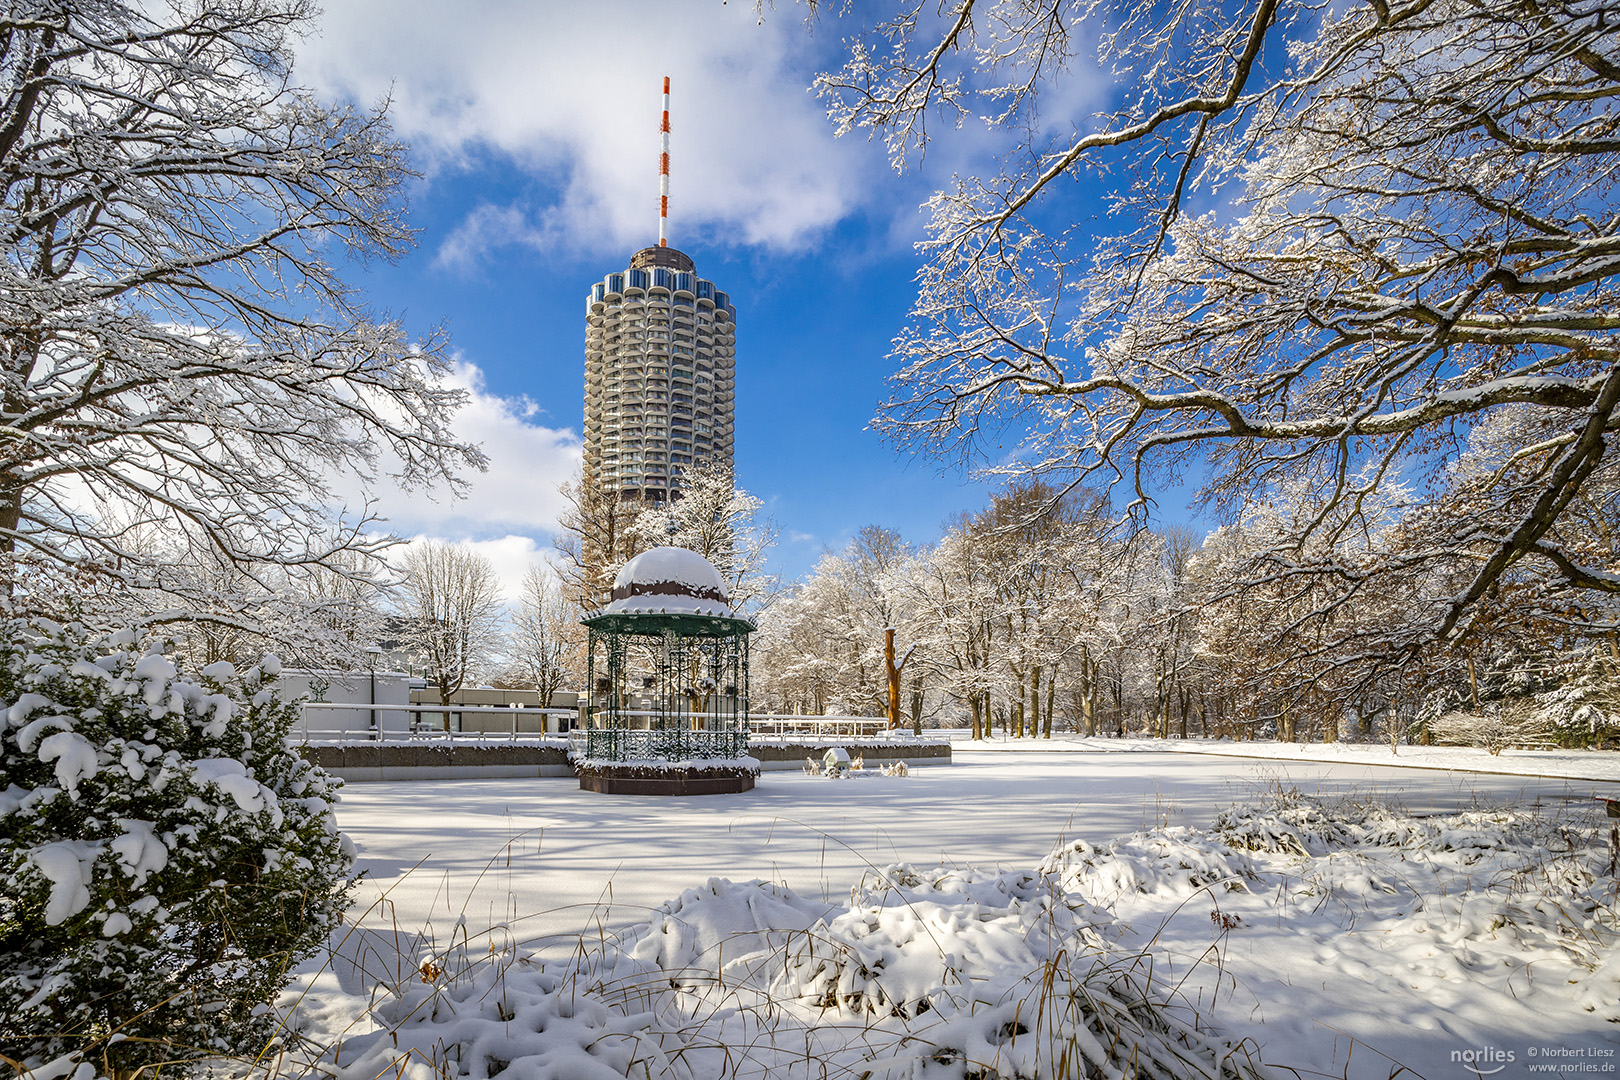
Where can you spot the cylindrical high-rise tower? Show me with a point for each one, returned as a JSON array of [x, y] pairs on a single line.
[[659, 376]]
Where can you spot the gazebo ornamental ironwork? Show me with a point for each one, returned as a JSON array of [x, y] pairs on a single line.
[[667, 665]]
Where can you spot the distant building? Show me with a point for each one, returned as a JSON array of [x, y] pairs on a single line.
[[659, 376]]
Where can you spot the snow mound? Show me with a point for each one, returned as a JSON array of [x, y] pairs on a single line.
[[1293, 823], [1166, 862], [493, 1018]]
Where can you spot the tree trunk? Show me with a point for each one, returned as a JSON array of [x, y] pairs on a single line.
[[1088, 689], [1034, 701], [1051, 695], [893, 672], [1119, 708], [10, 518], [1162, 721]]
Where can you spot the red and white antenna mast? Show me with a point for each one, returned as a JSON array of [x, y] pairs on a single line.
[[663, 172]]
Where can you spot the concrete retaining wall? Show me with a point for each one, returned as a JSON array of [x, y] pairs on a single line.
[[427, 762], [416, 761]]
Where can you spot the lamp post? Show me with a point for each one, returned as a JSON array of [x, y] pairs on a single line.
[[372, 653]]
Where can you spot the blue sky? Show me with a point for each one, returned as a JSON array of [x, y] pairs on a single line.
[[535, 128]]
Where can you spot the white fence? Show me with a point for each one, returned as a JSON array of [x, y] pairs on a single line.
[[324, 722], [785, 724], [332, 722]]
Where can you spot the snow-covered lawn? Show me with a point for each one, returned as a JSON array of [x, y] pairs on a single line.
[[1563, 764], [995, 924]]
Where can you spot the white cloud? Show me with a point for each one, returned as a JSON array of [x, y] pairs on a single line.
[[511, 556], [570, 92], [516, 498], [484, 229]]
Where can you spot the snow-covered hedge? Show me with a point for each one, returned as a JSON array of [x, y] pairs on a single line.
[[165, 857]]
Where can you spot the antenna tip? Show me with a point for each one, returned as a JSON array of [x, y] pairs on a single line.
[[666, 84]]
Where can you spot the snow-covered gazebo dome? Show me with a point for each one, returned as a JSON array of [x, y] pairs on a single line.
[[668, 581], [668, 671]]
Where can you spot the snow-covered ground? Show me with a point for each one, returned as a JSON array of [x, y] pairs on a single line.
[[1562, 764], [1354, 942], [493, 850]]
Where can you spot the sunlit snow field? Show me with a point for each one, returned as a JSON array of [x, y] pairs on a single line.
[[1360, 957], [562, 859]]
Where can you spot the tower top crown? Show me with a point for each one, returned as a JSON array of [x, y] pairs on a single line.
[[666, 258]]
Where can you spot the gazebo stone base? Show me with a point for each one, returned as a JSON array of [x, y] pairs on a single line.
[[680, 778]]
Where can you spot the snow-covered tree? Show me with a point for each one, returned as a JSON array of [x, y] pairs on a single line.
[[597, 534], [450, 614], [340, 611], [791, 668], [1409, 229], [1026, 535], [546, 642], [210, 607], [1280, 645], [1584, 708], [720, 521], [601, 530], [178, 348], [954, 609], [321, 616], [823, 643], [166, 857]]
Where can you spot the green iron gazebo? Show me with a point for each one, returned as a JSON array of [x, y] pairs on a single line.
[[667, 711]]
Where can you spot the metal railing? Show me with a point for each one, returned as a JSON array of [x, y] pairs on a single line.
[[785, 724], [416, 723], [670, 744]]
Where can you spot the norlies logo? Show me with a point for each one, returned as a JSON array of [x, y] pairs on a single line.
[[1485, 1061]]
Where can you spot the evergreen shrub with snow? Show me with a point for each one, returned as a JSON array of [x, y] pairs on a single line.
[[1585, 709], [165, 856]]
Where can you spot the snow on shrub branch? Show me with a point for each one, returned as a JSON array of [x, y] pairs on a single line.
[[165, 856]]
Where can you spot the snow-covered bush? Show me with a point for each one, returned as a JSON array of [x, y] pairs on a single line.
[[1284, 820], [165, 856], [1497, 726]]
